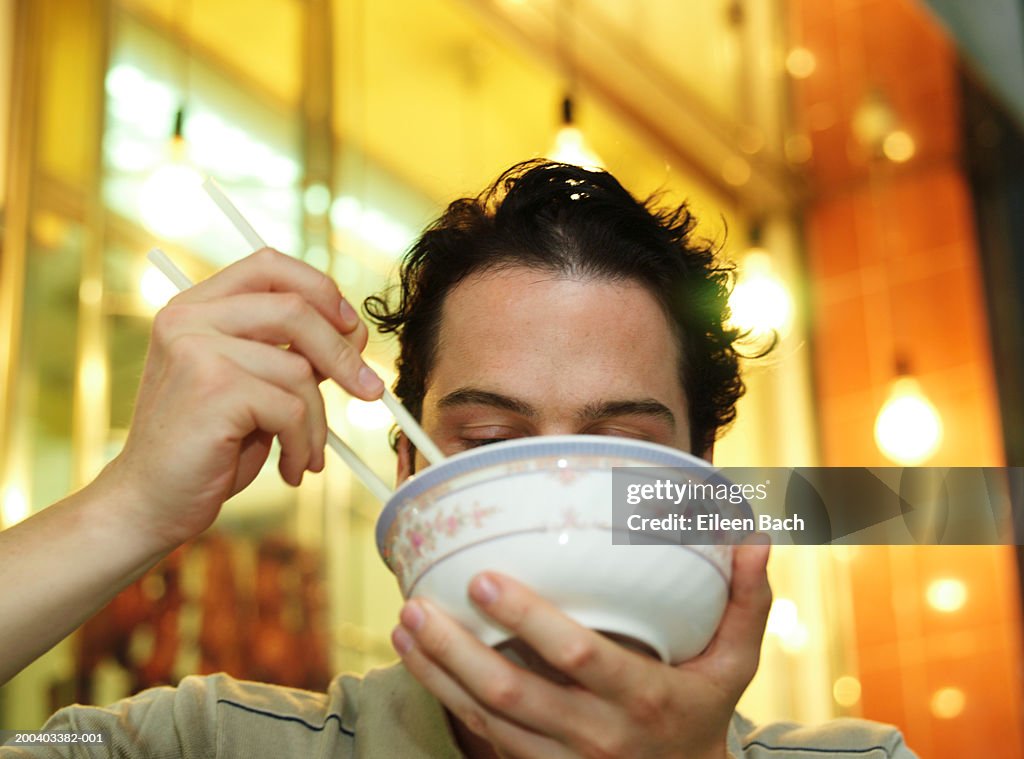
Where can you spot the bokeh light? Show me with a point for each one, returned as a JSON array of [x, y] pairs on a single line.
[[846, 691], [570, 147], [947, 703], [760, 302], [908, 429], [947, 595], [367, 415], [155, 288], [898, 146], [172, 204], [801, 63], [785, 625]]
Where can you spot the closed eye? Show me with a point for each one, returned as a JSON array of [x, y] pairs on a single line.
[[478, 435], [480, 442]]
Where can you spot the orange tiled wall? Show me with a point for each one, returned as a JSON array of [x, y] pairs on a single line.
[[894, 268], [893, 265]]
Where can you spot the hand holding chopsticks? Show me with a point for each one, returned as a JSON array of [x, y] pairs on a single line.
[[366, 475], [405, 420]]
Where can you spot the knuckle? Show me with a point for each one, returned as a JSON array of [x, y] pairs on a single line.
[[167, 322], [292, 305], [649, 704], [301, 370], [344, 355], [326, 287], [189, 351], [475, 720], [576, 655], [266, 257], [295, 409], [202, 369], [503, 692], [359, 337], [438, 643]]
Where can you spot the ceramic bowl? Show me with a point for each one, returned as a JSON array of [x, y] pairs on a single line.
[[540, 510]]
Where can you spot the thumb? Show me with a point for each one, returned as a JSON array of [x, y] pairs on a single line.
[[737, 643]]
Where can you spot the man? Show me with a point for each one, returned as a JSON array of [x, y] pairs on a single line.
[[553, 303]]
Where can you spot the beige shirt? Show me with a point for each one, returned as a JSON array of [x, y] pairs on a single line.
[[384, 715]]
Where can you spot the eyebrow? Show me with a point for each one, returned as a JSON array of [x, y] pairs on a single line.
[[471, 396], [591, 412]]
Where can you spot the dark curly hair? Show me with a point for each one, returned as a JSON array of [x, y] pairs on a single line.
[[583, 224]]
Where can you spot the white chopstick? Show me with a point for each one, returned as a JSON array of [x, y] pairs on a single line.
[[373, 483], [405, 420]]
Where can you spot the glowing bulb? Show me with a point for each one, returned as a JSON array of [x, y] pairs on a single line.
[[155, 288], [796, 640], [736, 171], [908, 429], [801, 63], [947, 595], [345, 212], [784, 623], [898, 146], [383, 233], [124, 81], [318, 257], [760, 302], [14, 507], [948, 703], [799, 148], [367, 415], [172, 203], [317, 199], [846, 690], [570, 147], [782, 618], [129, 155], [873, 120]]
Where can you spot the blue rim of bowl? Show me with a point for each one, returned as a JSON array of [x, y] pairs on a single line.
[[650, 454]]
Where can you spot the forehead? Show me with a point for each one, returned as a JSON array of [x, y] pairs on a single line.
[[553, 339]]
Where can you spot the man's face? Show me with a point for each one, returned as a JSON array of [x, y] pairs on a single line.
[[523, 352]]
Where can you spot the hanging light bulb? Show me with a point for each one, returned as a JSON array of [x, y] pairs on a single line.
[[570, 146], [760, 303], [908, 429], [171, 202]]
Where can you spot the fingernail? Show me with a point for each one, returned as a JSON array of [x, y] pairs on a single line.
[[412, 616], [401, 640], [349, 317], [483, 590], [369, 380]]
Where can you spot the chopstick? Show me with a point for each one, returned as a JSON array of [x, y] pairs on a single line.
[[367, 476], [405, 420]]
